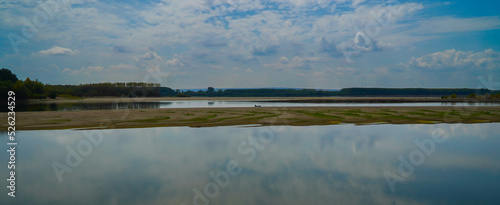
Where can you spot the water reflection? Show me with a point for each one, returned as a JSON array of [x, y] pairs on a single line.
[[86, 106], [302, 165], [207, 103]]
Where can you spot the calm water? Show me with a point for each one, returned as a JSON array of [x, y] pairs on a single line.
[[341, 164], [207, 103]]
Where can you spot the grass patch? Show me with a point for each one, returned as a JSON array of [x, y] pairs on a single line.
[[236, 117], [215, 112], [150, 120], [201, 119], [388, 110], [263, 117], [319, 114], [454, 112], [417, 113], [424, 110], [351, 114], [355, 113], [381, 113]]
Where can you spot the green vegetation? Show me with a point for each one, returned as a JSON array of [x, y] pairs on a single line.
[[23, 89], [150, 120], [34, 89], [131, 89], [318, 114], [182, 95], [395, 92], [410, 91], [202, 119]]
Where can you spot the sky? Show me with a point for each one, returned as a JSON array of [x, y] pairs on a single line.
[[242, 43]]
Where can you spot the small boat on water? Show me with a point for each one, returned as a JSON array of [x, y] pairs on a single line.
[[258, 105]]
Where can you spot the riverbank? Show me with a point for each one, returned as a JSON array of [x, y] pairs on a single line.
[[211, 117], [270, 99]]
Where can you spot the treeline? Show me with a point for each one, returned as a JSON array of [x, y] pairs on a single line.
[[132, 89], [366, 92], [34, 89], [23, 89], [267, 92], [437, 92]]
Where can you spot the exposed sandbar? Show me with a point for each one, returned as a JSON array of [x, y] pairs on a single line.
[[210, 117]]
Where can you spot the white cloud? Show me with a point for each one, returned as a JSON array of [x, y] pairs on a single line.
[[149, 60], [149, 56], [342, 71], [122, 66], [85, 70], [284, 60], [453, 24], [296, 63], [247, 34], [59, 51], [175, 62], [218, 67], [488, 59], [356, 3]]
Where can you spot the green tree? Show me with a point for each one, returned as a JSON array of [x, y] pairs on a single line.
[[53, 94], [36, 88], [472, 95], [7, 75], [21, 91], [453, 96]]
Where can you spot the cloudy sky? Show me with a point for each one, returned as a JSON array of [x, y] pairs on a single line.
[[244, 43]]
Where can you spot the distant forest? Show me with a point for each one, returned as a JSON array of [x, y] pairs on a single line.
[[34, 89]]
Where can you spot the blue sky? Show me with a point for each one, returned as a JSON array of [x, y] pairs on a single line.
[[243, 43]]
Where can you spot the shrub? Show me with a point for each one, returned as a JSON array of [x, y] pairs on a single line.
[[472, 95], [182, 95]]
